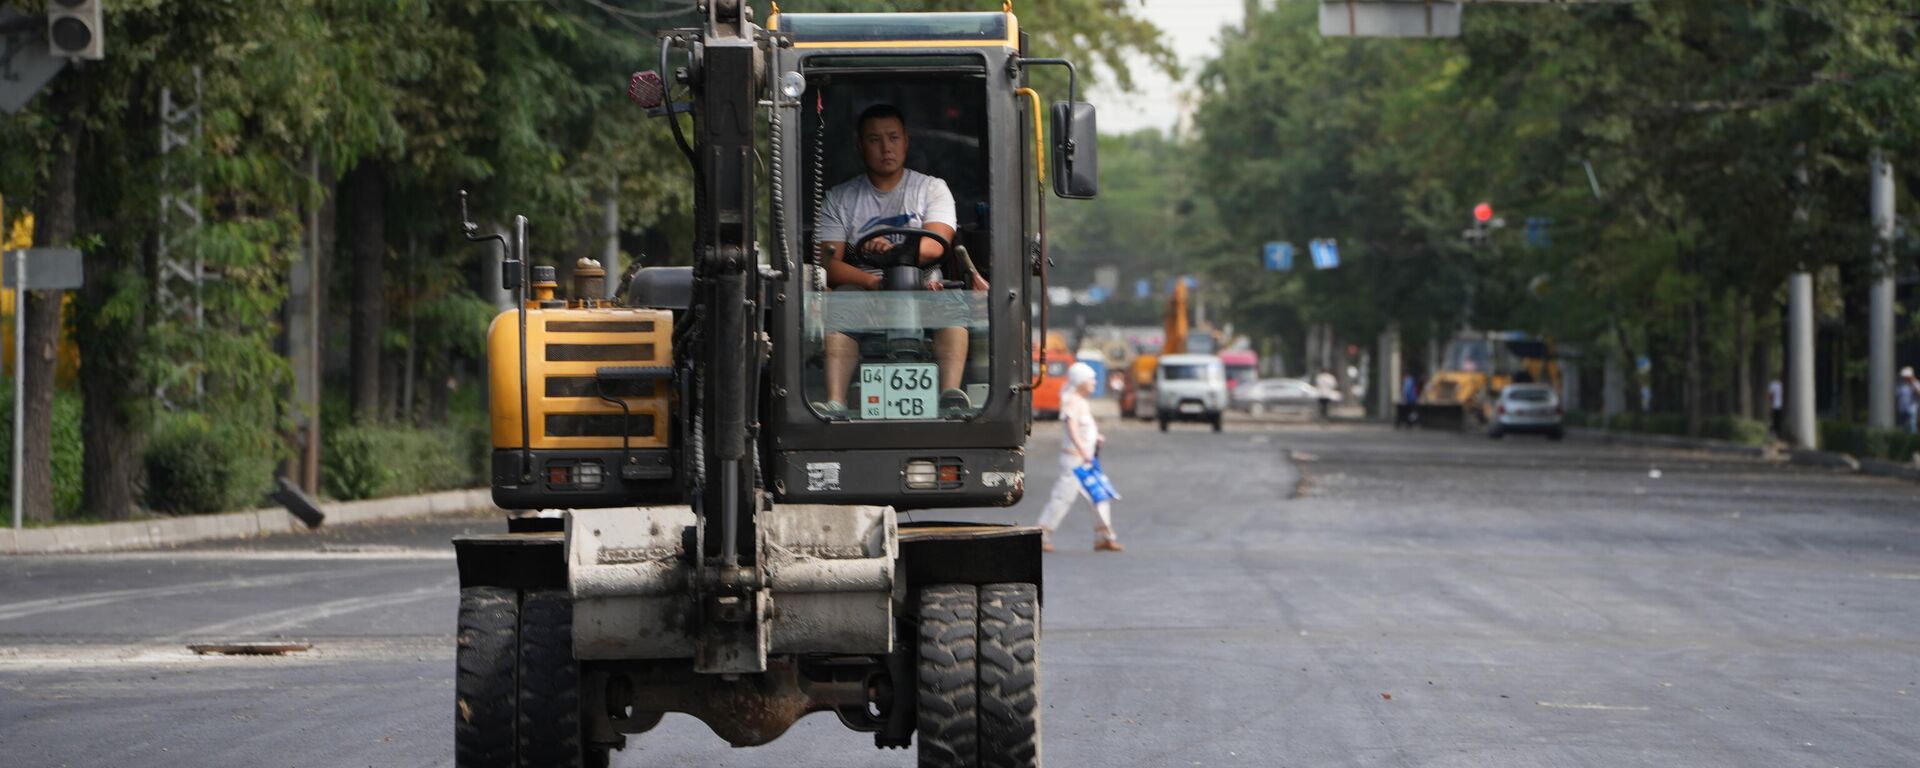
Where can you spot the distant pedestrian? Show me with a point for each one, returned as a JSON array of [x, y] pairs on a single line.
[[1409, 395], [1329, 389], [1775, 394], [1080, 441], [1909, 401]]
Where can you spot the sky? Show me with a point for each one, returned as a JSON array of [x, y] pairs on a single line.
[[1192, 28]]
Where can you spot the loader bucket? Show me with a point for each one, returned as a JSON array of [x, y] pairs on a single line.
[[1441, 416]]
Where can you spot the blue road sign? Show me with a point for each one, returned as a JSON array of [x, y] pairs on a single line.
[[1279, 257], [1142, 288], [1326, 254]]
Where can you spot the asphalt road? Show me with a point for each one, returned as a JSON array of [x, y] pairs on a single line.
[[1292, 595]]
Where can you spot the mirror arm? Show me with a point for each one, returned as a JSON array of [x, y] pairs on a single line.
[[1073, 94]]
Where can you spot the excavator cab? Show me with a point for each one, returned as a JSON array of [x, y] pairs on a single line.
[[917, 395]]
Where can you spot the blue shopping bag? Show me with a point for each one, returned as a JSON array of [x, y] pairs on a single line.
[[1094, 481]]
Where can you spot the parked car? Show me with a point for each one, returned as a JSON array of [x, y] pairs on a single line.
[[1265, 395], [1190, 388], [1527, 408]]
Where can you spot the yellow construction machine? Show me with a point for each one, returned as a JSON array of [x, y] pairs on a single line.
[[1476, 367]]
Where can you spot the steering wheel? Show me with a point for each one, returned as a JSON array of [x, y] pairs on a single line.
[[906, 253]]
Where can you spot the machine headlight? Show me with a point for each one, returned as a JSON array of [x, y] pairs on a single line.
[[792, 84], [922, 475], [587, 474]]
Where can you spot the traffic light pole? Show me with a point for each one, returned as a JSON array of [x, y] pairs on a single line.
[[19, 384]]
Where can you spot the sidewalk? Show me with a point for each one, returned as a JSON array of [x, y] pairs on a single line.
[[151, 534]]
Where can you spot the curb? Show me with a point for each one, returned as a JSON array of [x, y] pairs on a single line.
[[151, 534], [1880, 468], [1807, 458], [1797, 456]]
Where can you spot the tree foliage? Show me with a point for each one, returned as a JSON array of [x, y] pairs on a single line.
[[520, 102], [1689, 156]]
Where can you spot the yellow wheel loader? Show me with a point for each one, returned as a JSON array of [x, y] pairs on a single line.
[[1477, 366]]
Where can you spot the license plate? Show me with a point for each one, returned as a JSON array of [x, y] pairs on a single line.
[[1189, 408], [899, 391]]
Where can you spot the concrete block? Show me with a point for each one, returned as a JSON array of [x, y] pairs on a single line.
[[6, 542]]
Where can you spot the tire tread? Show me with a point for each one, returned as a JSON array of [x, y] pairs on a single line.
[[948, 725], [1009, 676], [486, 659]]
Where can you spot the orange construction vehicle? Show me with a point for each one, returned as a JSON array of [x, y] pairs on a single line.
[[1046, 397]]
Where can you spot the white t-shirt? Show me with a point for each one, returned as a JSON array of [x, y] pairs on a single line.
[[855, 207], [1773, 393], [1076, 413]]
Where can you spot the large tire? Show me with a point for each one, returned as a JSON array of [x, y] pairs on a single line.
[[949, 682], [517, 690], [1009, 676], [548, 728], [486, 664]]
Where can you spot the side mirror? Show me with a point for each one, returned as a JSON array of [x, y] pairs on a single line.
[[1076, 151]]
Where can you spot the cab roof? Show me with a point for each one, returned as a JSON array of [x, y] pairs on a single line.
[[900, 30]]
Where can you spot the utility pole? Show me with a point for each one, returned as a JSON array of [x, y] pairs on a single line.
[[1880, 311], [1799, 383]]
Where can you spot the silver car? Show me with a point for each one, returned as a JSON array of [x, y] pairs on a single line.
[[1275, 395], [1533, 408]]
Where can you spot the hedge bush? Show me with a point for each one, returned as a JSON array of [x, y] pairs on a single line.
[[364, 462], [1867, 443], [1729, 428], [196, 465], [66, 451]]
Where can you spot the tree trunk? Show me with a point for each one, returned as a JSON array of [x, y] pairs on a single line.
[[1762, 373], [369, 288], [54, 227], [1743, 346], [1695, 376], [117, 411]]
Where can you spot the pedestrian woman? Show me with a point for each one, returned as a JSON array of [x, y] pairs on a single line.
[[1078, 446]]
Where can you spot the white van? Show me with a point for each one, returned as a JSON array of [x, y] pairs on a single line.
[[1190, 388]]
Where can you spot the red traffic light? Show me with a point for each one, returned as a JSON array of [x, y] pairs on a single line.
[[1483, 213]]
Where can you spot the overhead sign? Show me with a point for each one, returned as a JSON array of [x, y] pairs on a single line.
[[1279, 257], [1383, 18], [26, 64], [48, 269], [1142, 288], [1326, 253]]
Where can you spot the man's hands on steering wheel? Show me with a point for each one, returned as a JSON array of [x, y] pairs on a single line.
[[884, 253]]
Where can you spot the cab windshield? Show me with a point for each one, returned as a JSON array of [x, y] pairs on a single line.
[[899, 329]]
